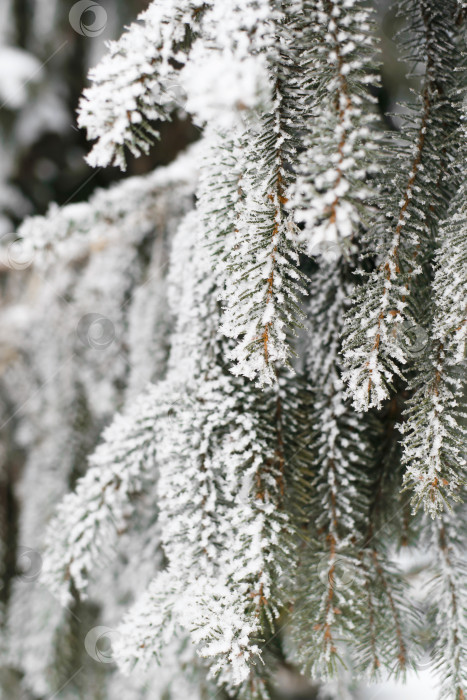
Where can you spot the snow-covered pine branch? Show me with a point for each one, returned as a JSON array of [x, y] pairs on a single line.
[[222, 470], [248, 527], [106, 257], [446, 597], [262, 293], [123, 213], [377, 341], [83, 533], [344, 592], [330, 576], [332, 190], [166, 62], [136, 82], [434, 430], [263, 290], [262, 296]]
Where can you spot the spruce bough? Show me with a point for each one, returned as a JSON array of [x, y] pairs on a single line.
[[310, 420]]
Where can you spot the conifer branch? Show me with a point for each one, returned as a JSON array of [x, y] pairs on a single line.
[[448, 588], [332, 192], [375, 345], [263, 289], [88, 522], [132, 89], [253, 525], [433, 431]]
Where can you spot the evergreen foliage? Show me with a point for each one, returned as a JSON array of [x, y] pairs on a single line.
[[304, 366]]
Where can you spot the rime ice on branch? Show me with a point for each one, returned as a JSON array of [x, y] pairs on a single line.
[[332, 189], [274, 498], [387, 304]]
